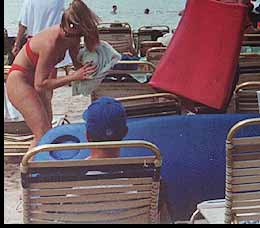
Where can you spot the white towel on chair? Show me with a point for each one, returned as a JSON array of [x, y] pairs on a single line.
[[105, 57], [10, 112]]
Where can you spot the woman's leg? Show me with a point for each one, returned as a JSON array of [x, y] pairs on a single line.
[[28, 102], [47, 97]]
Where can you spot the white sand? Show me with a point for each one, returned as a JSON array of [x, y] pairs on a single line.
[[63, 102]]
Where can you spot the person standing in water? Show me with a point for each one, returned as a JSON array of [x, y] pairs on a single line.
[[146, 11]]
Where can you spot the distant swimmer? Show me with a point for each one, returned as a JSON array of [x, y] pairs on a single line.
[[181, 13], [146, 11], [114, 9]]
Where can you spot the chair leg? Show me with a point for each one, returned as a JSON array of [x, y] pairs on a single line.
[[192, 219]]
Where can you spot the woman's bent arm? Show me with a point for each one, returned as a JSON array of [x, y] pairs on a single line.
[[45, 66], [53, 83]]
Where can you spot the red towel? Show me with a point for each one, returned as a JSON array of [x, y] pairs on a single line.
[[202, 57]]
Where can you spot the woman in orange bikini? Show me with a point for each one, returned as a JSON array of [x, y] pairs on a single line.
[[31, 80]]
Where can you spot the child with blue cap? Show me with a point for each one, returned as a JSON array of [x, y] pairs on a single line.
[[106, 120]]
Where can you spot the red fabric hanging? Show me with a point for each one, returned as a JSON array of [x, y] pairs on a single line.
[[201, 59]]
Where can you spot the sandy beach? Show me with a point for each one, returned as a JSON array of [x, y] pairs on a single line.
[[63, 102]]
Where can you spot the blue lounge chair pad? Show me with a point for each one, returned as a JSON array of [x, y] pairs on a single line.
[[193, 151]]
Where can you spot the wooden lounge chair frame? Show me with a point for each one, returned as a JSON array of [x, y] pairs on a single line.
[[145, 33], [17, 141], [246, 97], [249, 63], [151, 105], [242, 196], [251, 39], [61, 192], [155, 54], [249, 60], [146, 45], [249, 77], [121, 86], [119, 35]]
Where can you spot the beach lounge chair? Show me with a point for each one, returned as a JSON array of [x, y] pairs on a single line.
[[251, 39], [248, 77], [151, 33], [242, 197], [249, 62], [158, 104], [127, 80], [18, 136], [118, 35], [246, 97], [154, 54], [116, 190], [146, 45], [249, 59]]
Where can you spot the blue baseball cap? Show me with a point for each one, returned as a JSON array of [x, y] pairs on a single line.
[[106, 120]]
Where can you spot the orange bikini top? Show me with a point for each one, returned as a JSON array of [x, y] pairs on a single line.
[[31, 55]]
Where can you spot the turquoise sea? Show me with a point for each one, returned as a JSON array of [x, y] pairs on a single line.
[[162, 12]]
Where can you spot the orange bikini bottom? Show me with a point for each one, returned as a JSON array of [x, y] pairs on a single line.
[[28, 72], [18, 68]]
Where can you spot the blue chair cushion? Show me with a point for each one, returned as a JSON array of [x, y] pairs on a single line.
[[193, 152]]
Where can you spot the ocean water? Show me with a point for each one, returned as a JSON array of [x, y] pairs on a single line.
[[162, 12]]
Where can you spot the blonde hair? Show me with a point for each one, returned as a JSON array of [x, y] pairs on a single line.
[[80, 15]]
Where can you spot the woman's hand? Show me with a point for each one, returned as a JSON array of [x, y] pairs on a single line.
[[84, 72]]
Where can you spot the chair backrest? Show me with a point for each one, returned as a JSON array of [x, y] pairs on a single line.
[[155, 54], [248, 77], [18, 136], [249, 63], [146, 45], [242, 175], [246, 97], [157, 104], [118, 35], [116, 190], [126, 81], [151, 33], [251, 39]]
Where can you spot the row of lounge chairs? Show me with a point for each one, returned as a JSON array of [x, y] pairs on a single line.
[[127, 189], [122, 38]]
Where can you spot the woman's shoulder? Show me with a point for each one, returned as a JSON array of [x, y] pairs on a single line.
[[45, 40]]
